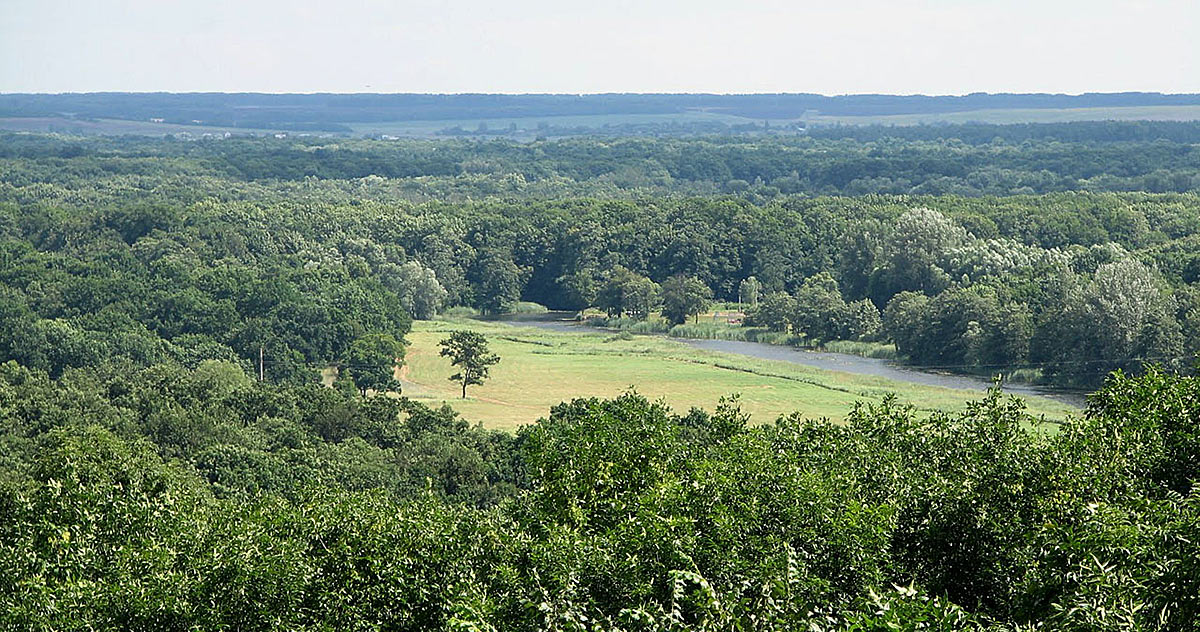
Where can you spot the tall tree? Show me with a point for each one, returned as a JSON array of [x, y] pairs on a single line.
[[749, 291], [919, 238], [863, 320], [629, 293], [372, 361], [469, 352], [578, 290], [417, 286], [684, 296], [821, 313], [775, 312], [498, 281]]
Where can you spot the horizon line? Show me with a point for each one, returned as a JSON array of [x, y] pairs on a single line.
[[611, 93]]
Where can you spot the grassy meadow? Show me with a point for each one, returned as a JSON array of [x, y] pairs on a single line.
[[540, 368]]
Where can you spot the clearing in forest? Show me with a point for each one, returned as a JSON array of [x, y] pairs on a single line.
[[540, 368]]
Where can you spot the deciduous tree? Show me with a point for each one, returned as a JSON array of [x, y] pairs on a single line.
[[684, 296], [469, 352], [372, 361]]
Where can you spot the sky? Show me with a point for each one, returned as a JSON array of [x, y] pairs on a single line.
[[569, 46]]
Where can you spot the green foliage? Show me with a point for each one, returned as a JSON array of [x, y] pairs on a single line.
[[615, 513], [865, 349], [151, 250], [820, 312], [417, 286], [371, 363], [750, 291], [863, 321], [775, 312], [499, 282], [683, 297], [528, 307], [918, 239], [469, 352], [147, 482], [625, 292]]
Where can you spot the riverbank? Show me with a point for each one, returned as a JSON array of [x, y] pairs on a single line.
[[830, 355], [710, 329]]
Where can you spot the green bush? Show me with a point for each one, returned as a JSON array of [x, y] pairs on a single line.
[[459, 311], [527, 307], [865, 349]]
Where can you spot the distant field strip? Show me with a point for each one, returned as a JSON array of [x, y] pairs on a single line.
[[541, 368], [530, 123], [529, 126], [118, 127], [1001, 116]]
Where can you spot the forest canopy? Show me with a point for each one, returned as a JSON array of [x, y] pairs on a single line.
[[172, 458]]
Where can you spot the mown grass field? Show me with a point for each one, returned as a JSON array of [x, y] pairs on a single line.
[[541, 368]]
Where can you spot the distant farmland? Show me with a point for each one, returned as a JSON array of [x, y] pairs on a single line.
[[530, 127], [113, 127], [1032, 115], [528, 116]]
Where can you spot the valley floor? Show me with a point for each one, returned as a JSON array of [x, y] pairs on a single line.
[[540, 368]]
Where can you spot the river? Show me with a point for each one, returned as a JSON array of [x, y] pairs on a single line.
[[561, 321]]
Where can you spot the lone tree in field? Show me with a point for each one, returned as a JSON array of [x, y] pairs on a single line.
[[468, 351]]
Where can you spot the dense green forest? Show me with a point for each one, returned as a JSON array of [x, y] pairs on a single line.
[[149, 248], [170, 498], [993, 160], [169, 458]]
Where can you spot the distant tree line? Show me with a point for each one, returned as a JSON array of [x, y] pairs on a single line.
[[335, 111], [1089, 132], [1016, 160]]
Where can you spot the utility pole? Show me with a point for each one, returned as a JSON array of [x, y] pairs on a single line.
[[260, 363]]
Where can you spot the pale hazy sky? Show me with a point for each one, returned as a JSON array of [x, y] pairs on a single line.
[[830, 47]]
